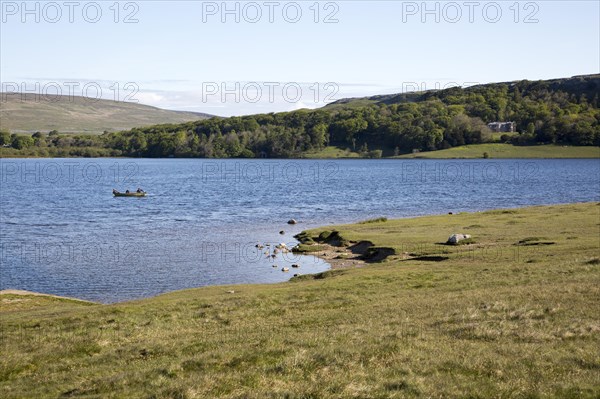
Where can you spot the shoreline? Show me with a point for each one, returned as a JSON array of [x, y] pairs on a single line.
[[338, 257], [482, 151], [334, 256], [330, 254], [407, 157], [10, 291]]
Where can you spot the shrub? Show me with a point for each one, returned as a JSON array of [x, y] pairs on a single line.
[[22, 142], [375, 154]]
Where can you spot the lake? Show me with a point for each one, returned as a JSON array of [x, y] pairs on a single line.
[[62, 232]]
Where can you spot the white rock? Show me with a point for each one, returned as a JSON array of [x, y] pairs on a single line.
[[455, 238]]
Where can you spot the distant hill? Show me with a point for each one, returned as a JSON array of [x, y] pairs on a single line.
[[74, 114], [562, 112], [588, 85]]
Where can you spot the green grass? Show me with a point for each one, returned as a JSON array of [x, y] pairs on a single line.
[[331, 152], [498, 150], [18, 302], [375, 220], [303, 248], [494, 150], [495, 319], [495, 136]]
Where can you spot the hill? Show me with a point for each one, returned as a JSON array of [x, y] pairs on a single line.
[[587, 85], [28, 113], [506, 315], [558, 111]]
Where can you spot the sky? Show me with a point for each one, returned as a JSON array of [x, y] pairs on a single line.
[[239, 57]]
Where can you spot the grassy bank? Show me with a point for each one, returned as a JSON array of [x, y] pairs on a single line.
[[498, 150], [474, 151], [330, 152], [494, 150], [515, 313]]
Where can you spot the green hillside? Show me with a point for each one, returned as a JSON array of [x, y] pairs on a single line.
[[498, 150], [588, 85], [557, 112], [74, 114]]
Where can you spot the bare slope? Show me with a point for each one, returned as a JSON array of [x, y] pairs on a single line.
[[75, 114]]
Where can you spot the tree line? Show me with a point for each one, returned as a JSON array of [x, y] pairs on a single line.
[[545, 112]]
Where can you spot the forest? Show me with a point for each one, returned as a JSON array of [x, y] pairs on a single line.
[[563, 111]]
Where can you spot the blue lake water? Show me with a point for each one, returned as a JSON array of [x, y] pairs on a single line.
[[62, 232]]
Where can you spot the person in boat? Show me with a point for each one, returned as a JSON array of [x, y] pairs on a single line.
[[115, 191], [127, 192], [139, 190]]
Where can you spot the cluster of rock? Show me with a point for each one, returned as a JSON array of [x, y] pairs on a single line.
[[274, 251]]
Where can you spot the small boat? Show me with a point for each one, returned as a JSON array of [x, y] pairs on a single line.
[[129, 194]]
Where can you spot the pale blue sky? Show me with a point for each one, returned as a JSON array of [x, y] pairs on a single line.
[[376, 47]]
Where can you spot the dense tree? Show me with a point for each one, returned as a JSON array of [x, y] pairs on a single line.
[[21, 142], [563, 112], [5, 138]]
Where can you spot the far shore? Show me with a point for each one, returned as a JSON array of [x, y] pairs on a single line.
[[471, 151]]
